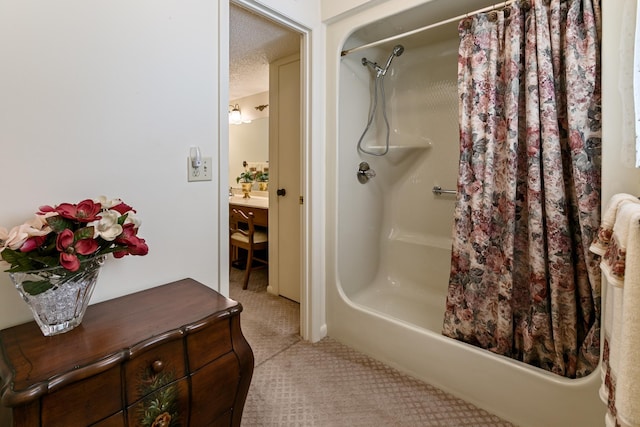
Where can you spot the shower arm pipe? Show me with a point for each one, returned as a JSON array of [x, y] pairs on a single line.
[[425, 28]]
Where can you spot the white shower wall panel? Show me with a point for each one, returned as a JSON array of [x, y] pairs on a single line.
[[398, 203], [426, 81], [360, 225]]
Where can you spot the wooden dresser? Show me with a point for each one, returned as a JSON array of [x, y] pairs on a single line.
[[168, 356]]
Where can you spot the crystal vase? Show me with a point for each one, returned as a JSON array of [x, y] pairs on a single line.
[[58, 298]]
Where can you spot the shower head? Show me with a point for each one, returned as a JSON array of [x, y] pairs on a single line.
[[380, 71], [397, 51]]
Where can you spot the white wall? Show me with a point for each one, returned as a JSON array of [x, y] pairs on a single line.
[[106, 98], [305, 12], [332, 9]]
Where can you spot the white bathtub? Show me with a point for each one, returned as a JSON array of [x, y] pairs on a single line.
[[390, 238]]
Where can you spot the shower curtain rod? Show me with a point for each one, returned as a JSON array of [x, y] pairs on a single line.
[[428, 27]]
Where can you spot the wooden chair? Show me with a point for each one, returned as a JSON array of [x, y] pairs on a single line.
[[243, 235]]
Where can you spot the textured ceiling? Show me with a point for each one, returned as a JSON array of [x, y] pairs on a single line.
[[254, 42]]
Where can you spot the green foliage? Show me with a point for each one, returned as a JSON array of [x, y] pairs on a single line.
[[34, 260], [83, 233], [36, 287], [58, 223], [161, 404], [48, 278], [245, 176], [262, 176]]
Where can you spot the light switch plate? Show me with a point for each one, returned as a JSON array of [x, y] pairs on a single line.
[[203, 173]]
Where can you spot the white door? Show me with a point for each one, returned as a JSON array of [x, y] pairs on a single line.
[[284, 177]]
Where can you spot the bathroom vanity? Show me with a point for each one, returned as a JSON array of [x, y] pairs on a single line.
[[170, 355], [259, 206]]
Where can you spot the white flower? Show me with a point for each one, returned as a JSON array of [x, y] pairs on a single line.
[[132, 218], [4, 235], [107, 227], [107, 203], [40, 220], [15, 238]]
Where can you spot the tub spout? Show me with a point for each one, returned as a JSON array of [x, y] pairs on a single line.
[[365, 173]]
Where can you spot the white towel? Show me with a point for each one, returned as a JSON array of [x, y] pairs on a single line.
[[601, 243], [613, 263], [619, 244], [628, 385]]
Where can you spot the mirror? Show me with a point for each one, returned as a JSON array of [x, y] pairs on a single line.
[[249, 143]]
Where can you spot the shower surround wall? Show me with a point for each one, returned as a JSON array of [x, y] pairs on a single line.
[[391, 246], [400, 221]]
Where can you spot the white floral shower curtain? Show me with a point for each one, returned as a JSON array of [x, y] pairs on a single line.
[[523, 283]]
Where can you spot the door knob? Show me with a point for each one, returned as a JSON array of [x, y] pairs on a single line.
[[281, 191]]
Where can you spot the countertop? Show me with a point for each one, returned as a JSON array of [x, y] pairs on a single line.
[[252, 202]]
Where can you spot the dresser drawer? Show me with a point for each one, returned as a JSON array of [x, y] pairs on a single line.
[[167, 406], [225, 420], [84, 402], [154, 368], [116, 420], [209, 343], [220, 379]]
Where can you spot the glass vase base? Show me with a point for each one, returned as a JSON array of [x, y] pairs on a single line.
[[59, 328], [58, 298]]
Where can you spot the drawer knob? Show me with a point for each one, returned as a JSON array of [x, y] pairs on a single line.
[[157, 366]]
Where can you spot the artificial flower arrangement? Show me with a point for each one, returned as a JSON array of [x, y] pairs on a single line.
[[67, 234]]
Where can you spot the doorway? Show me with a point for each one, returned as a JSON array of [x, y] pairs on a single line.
[[257, 40]]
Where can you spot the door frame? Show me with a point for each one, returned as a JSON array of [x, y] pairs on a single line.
[[312, 327]]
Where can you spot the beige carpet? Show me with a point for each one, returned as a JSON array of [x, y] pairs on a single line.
[[296, 383]]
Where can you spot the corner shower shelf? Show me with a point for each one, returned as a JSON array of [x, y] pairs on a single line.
[[398, 153], [420, 239]]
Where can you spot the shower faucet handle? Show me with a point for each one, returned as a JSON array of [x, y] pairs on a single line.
[[365, 172]]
